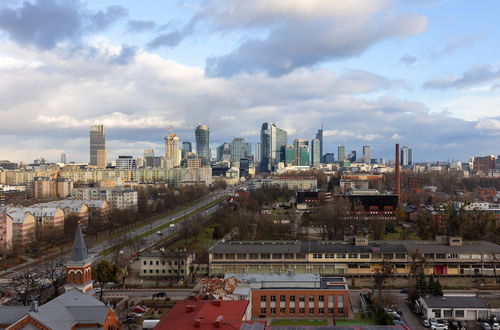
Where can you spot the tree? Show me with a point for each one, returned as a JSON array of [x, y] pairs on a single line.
[[439, 289], [104, 273], [24, 285], [55, 274], [421, 284], [431, 286], [381, 276]]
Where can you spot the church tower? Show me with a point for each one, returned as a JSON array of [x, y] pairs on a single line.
[[78, 267]]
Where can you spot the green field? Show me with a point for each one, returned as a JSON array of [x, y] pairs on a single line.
[[292, 322]]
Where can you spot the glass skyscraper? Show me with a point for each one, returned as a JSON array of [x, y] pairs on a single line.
[[202, 135], [272, 143], [98, 156], [316, 151]]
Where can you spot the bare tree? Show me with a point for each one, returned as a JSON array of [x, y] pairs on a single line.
[[55, 274], [381, 276], [25, 285]]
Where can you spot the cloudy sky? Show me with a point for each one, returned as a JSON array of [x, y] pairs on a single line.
[[424, 73]]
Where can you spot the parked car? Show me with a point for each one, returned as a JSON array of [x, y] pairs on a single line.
[[463, 325], [426, 323], [485, 326], [495, 326], [138, 309], [433, 322], [439, 326], [159, 295], [453, 324]]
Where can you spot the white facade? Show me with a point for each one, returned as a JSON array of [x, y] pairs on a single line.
[[121, 198]]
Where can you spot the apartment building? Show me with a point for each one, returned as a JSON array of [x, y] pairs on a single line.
[[166, 264], [121, 198], [446, 256], [6, 234], [290, 182], [294, 295], [23, 228]]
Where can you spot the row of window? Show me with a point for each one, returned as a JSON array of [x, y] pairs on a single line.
[[448, 313], [157, 262], [292, 310], [145, 271], [388, 256], [244, 256], [303, 298]]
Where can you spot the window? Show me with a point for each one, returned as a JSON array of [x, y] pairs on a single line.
[[163, 263], [292, 310], [151, 262], [437, 313], [452, 255], [448, 313], [440, 255], [145, 262], [145, 271], [340, 310], [388, 256], [341, 255], [311, 310], [277, 256], [288, 255], [352, 266], [157, 262], [292, 298], [218, 256], [282, 297], [459, 313], [265, 256], [229, 256], [311, 298], [353, 256], [151, 271], [163, 271], [302, 298], [273, 298], [254, 256], [321, 298], [302, 311], [321, 310], [400, 266], [364, 266], [329, 255], [241, 256], [300, 256], [263, 310], [330, 310], [364, 256], [317, 255], [273, 310], [429, 256], [263, 298], [400, 256], [282, 310]]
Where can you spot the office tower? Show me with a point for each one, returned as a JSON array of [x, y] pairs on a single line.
[[316, 151], [272, 143], [240, 149], [352, 156], [98, 155], [319, 136], [224, 152], [63, 158], [366, 154], [257, 153], [172, 156], [329, 158], [125, 162], [406, 156], [298, 146], [186, 149], [148, 153], [304, 157], [341, 154], [289, 155], [202, 135]]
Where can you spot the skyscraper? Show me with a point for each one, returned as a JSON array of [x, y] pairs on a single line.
[[300, 147], [341, 153], [406, 156], [272, 145], [316, 151], [202, 135], [186, 149], [172, 156], [63, 158], [98, 156], [366, 154], [224, 152], [240, 149], [319, 136], [257, 153]]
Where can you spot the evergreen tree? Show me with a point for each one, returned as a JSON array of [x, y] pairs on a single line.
[[439, 289], [431, 287], [421, 284]]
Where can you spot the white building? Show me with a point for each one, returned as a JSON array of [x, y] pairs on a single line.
[[121, 198]]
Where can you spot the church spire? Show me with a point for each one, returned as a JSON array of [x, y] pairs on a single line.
[[79, 250]]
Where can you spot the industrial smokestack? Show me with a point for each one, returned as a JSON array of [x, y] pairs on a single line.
[[397, 178]]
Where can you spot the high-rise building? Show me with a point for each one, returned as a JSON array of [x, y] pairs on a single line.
[[125, 162], [240, 149], [172, 156], [298, 146], [98, 156], [366, 154], [63, 158], [352, 156], [319, 136], [406, 156], [202, 135], [316, 151], [257, 153], [272, 141], [289, 155], [341, 153], [148, 153], [329, 158], [186, 149], [224, 152]]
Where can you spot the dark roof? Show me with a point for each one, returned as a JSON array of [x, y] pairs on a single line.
[[10, 314], [455, 302], [79, 250]]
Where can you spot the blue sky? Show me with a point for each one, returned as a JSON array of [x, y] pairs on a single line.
[[424, 73]]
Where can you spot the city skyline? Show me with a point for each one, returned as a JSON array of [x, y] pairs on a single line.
[[421, 73]]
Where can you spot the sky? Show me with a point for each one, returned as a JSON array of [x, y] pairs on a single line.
[[422, 73]]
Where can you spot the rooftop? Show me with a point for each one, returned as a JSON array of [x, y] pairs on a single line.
[[455, 302]]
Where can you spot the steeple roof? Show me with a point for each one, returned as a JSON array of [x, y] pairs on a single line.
[[79, 250]]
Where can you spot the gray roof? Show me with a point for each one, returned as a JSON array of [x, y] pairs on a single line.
[[10, 314], [455, 302], [466, 247], [79, 250]]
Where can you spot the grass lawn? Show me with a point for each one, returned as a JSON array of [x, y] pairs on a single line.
[[397, 235], [203, 241], [357, 321], [293, 322]]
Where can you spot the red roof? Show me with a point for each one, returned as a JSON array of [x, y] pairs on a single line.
[[191, 314]]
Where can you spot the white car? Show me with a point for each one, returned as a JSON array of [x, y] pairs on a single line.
[[426, 323], [439, 326], [495, 326], [433, 322]]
